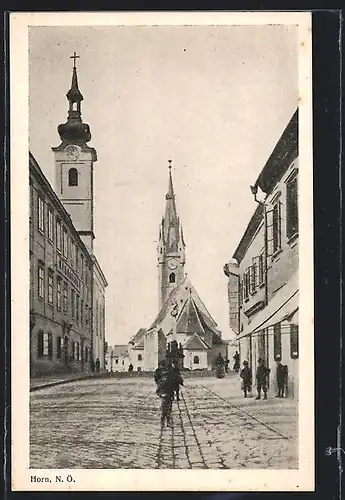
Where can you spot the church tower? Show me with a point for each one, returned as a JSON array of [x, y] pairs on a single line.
[[74, 161], [171, 247]]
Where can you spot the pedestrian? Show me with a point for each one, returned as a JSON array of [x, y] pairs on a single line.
[[178, 381], [226, 365], [166, 387], [236, 359], [157, 376], [262, 373], [246, 376], [281, 375], [130, 367], [220, 372]]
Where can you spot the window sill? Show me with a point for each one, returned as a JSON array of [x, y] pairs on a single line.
[[41, 231], [261, 285], [246, 300], [254, 292], [293, 238]]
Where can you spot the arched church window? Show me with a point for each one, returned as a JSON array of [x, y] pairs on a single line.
[[172, 278], [196, 360], [73, 177]]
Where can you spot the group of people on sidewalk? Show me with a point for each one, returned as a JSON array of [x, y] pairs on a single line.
[[262, 377]]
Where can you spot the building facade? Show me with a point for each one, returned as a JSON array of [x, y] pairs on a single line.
[[117, 358], [136, 350], [60, 284], [67, 240], [263, 274]]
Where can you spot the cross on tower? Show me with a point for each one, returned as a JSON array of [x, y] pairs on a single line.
[[74, 57]]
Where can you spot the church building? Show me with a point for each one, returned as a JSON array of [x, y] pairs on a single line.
[[183, 318], [65, 215]]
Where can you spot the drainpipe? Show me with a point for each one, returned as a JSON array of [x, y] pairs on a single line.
[[254, 190]]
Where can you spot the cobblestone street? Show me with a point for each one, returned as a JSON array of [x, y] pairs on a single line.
[[115, 423]]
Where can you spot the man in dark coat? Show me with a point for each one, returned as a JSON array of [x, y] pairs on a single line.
[[262, 373], [166, 381], [281, 377], [236, 359], [178, 380], [246, 376]]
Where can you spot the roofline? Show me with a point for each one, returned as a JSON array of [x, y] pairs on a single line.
[[251, 229], [277, 164], [99, 269], [33, 164], [281, 156]]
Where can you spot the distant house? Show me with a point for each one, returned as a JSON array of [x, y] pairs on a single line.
[[118, 358], [136, 350]]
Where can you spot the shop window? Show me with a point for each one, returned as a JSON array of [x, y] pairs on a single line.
[[196, 360], [294, 347], [73, 177], [292, 207], [277, 341]]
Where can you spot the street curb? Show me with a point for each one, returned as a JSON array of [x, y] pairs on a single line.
[[65, 381]]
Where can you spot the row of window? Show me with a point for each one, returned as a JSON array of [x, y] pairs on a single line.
[[291, 215], [64, 242], [79, 310], [253, 277], [62, 351], [277, 342]]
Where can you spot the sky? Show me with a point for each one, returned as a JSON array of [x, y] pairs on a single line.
[[213, 99]]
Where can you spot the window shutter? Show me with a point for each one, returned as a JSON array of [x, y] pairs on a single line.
[[294, 342], [277, 341], [40, 344], [50, 345], [256, 265]]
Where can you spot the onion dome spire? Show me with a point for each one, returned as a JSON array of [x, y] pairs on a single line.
[[74, 130]]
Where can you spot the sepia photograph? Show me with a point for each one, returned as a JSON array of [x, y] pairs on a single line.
[[163, 251]]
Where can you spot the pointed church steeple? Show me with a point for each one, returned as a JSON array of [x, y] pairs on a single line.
[[171, 222], [171, 246], [74, 131]]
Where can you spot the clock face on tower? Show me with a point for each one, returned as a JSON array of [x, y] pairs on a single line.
[[172, 264], [72, 152]]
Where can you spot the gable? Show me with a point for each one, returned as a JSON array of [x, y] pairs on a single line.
[[195, 343]]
